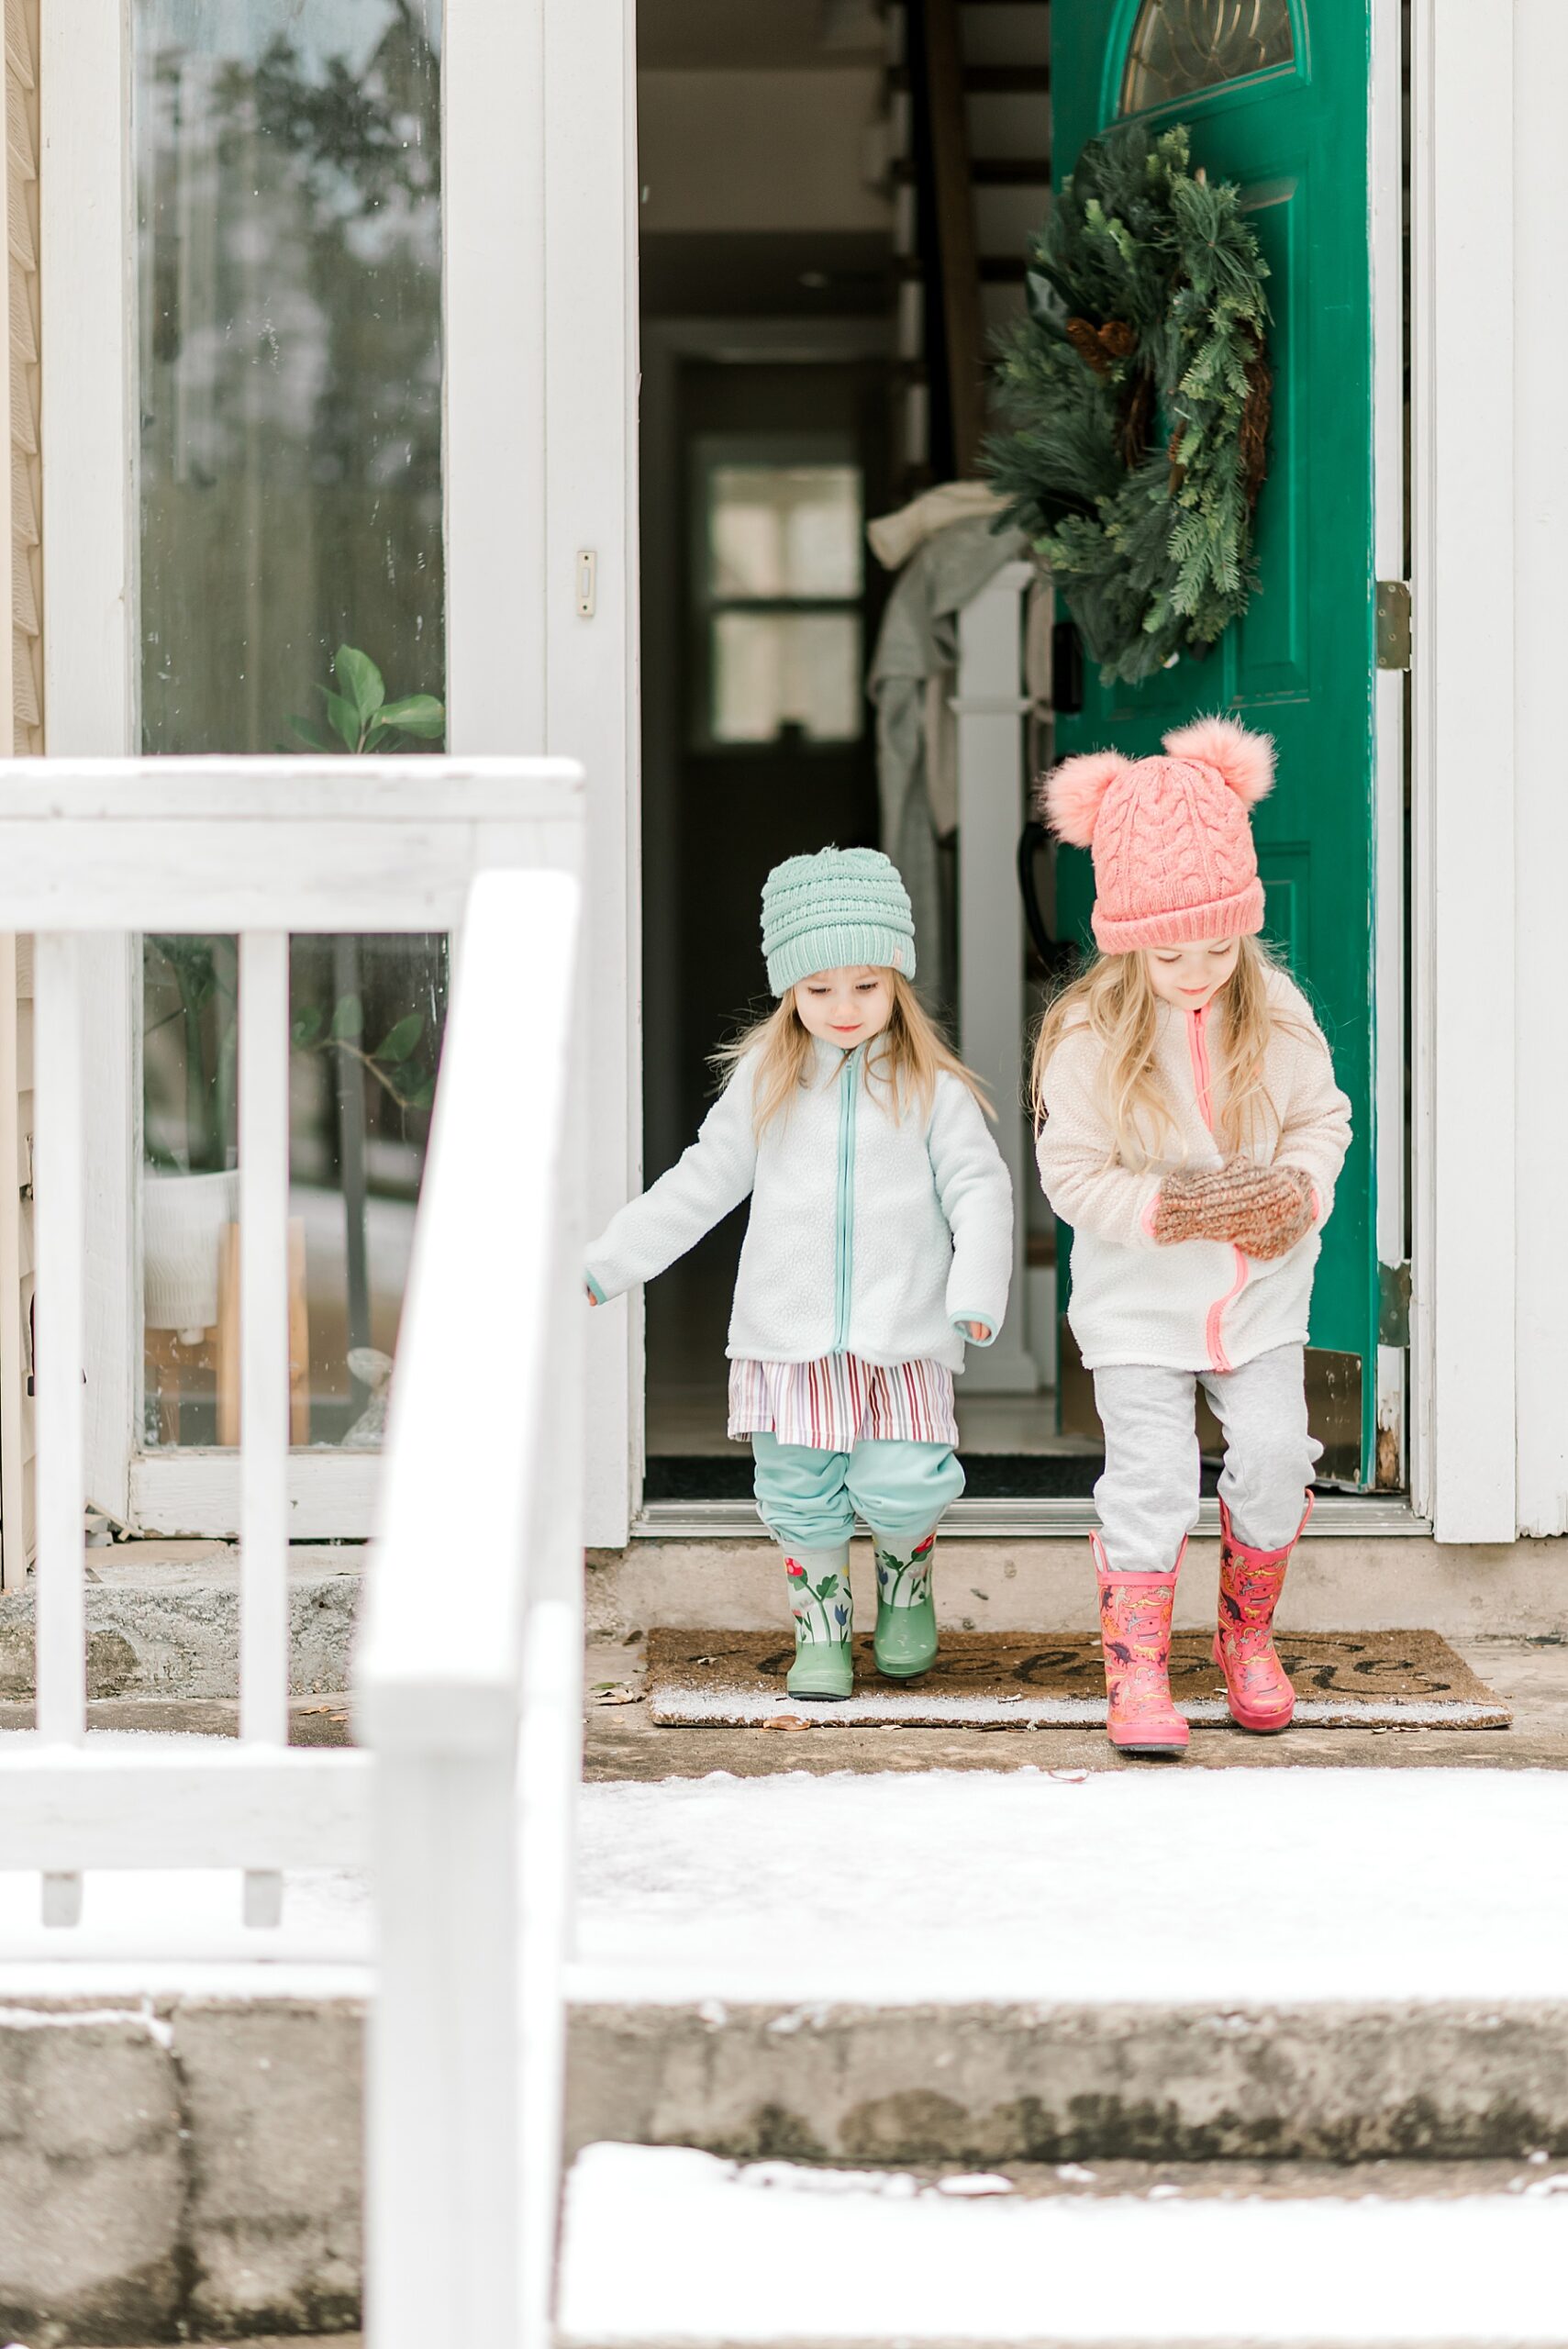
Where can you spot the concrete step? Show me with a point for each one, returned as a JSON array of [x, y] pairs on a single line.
[[1335, 1964], [670, 2246], [985, 1968], [163, 1622], [1338, 1582]]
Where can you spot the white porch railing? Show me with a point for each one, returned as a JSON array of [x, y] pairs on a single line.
[[468, 1674]]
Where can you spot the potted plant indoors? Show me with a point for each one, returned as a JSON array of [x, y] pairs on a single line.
[[191, 1178]]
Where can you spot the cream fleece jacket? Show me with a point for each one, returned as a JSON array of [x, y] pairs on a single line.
[[1201, 1304], [869, 1234]]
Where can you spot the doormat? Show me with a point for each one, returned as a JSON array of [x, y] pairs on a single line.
[[985, 1680]]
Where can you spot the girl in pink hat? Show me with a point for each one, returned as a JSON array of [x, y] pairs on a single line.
[[1190, 1132]]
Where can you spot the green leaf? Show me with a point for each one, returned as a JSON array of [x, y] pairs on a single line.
[[344, 716], [348, 1019], [308, 731], [421, 714], [400, 1040], [425, 1095], [309, 1024], [378, 735], [361, 680]]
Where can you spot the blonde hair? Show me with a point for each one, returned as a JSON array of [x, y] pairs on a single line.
[[1114, 998], [906, 1056]]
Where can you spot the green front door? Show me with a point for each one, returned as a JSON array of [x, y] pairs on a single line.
[[1276, 95]]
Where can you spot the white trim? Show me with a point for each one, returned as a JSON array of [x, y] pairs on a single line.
[[88, 429], [1465, 905], [1386, 210], [493, 205], [1338, 1517], [1541, 529], [89, 439], [589, 331]]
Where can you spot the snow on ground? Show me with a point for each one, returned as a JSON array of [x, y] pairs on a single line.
[[1169, 1883], [147, 1930], [673, 2246]]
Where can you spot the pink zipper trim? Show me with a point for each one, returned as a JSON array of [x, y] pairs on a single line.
[[1197, 1045], [1218, 1359]]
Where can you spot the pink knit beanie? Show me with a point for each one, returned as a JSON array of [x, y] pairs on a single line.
[[1172, 846]]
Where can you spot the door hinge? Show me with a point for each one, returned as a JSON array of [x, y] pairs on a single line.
[[1393, 1304], [1392, 624]]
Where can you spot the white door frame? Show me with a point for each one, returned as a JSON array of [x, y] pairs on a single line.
[[540, 355], [1467, 906], [541, 169]]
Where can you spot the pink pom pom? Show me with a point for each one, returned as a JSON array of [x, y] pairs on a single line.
[[1243, 760], [1075, 790]]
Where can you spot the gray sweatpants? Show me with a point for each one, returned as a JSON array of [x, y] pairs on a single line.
[[1148, 1497]]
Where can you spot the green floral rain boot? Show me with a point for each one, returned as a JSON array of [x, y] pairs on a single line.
[[906, 1640], [824, 1616]]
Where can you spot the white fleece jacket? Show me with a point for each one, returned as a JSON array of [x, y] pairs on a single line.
[[1200, 1304], [869, 1234]]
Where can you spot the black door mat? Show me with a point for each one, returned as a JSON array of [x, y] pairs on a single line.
[[985, 1680], [989, 1476]]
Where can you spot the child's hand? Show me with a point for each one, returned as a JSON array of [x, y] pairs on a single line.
[[978, 1331], [1262, 1210]]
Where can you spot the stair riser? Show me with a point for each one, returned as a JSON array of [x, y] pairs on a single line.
[[184, 1641], [1002, 2083], [179, 2167], [1048, 1586]]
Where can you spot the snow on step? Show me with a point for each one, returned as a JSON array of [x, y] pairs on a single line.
[[669, 2248], [1169, 1884]]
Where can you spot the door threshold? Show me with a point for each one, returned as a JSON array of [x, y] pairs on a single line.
[[1337, 1517]]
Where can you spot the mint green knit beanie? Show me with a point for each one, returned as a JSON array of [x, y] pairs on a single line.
[[832, 911]]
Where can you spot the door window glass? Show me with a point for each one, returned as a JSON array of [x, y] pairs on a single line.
[[1180, 46], [287, 167], [779, 574]]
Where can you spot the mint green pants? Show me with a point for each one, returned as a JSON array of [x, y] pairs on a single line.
[[808, 1499]]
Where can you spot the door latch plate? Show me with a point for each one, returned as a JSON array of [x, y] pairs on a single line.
[[1392, 624]]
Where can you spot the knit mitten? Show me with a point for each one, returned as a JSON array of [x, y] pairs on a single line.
[[823, 1612], [1262, 1210], [905, 1643]]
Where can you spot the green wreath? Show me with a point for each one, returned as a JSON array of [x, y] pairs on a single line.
[[1136, 392]]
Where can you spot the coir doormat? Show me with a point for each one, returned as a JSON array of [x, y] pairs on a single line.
[[981, 1680]]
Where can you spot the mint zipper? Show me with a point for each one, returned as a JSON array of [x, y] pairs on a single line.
[[844, 1213]]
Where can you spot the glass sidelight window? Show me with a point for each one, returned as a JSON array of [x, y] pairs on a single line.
[[779, 574], [288, 246]]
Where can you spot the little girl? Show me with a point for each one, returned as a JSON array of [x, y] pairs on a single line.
[[1190, 1131], [879, 1238]]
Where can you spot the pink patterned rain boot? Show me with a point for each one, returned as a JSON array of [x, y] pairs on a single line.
[[1257, 1686], [1135, 1632]]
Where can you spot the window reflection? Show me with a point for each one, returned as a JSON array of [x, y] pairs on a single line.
[[290, 594]]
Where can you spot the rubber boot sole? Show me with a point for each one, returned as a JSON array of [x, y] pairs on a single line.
[[1152, 1749], [837, 1696], [1255, 1724]]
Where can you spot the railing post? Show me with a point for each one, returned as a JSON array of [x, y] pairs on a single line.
[[61, 1668], [263, 1362], [443, 2185]]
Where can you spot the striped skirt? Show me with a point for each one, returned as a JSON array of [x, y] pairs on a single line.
[[839, 1401]]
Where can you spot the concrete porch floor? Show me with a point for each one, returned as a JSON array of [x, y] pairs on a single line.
[[622, 1742]]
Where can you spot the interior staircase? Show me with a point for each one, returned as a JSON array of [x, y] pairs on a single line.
[[970, 121]]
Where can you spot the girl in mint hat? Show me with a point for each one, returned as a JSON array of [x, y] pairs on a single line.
[[879, 1238]]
